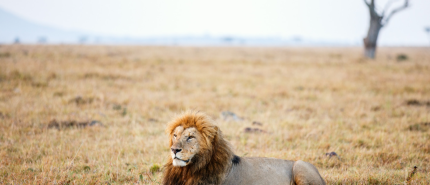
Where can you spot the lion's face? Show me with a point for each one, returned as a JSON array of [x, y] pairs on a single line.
[[185, 145]]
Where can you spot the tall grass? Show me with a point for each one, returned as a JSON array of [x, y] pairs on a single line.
[[310, 101]]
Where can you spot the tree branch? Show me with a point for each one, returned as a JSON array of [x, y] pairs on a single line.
[[372, 3], [395, 11], [365, 1], [387, 6]]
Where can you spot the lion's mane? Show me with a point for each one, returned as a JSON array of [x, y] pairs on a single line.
[[211, 164]]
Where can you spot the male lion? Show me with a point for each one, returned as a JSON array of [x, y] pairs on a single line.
[[200, 155]]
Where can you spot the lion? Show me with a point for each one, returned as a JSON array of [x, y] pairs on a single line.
[[200, 155]]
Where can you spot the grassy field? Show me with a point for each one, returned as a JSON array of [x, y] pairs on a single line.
[[310, 101]]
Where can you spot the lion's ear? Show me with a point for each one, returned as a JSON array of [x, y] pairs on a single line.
[[211, 134], [217, 133]]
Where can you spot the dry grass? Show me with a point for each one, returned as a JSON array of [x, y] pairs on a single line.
[[310, 101]]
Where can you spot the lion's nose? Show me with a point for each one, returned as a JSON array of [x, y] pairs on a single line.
[[175, 150]]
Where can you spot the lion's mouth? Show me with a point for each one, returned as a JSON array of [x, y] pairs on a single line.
[[186, 161]]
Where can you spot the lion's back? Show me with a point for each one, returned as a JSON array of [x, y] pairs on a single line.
[[258, 170]]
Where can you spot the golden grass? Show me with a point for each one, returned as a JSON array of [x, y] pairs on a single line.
[[374, 114]]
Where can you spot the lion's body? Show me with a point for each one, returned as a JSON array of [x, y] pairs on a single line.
[[255, 170], [259, 170], [200, 155]]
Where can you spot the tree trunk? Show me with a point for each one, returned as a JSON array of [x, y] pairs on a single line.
[[372, 37]]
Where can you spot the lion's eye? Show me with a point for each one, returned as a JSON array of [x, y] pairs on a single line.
[[174, 136], [189, 138]]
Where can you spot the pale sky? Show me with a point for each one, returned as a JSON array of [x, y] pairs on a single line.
[[327, 20]]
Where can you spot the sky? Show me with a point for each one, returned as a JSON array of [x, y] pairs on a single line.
[[329, 20]]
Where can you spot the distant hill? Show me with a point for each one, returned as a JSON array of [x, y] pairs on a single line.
[[14, 27]]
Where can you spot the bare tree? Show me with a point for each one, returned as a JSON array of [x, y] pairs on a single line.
[[378, 21]]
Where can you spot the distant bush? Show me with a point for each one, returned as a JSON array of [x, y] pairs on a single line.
[[5, 55], [402, 57]]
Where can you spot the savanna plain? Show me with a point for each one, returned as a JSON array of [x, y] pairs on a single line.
[[97, 114]]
